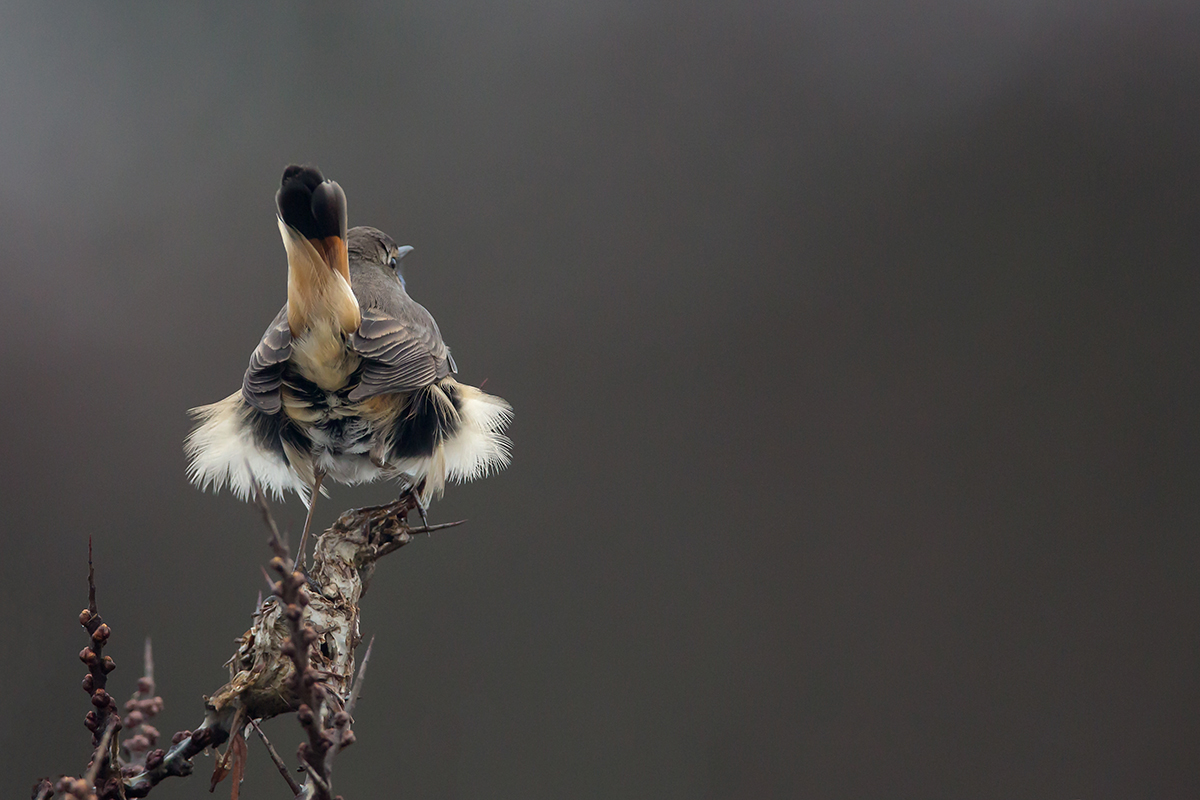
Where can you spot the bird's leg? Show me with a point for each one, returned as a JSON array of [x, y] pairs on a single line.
[[416, 493], [318, 476], [412, 494]]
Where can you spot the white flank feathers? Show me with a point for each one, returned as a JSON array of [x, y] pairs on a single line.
[[478, 448], [475, 450], [221, 453]]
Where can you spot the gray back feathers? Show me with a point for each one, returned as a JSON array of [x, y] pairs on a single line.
[[399, 342]]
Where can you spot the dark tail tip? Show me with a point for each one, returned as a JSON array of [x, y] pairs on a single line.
[[313, 206]]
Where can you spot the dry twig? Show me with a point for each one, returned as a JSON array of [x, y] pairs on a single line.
[[279, 763], [298, 656]]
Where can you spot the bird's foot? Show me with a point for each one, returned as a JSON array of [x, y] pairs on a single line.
[[412, 501]]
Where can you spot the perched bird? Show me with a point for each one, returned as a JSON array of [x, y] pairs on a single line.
[[351, 380]]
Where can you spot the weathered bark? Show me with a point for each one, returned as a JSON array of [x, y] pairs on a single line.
[[320, 608]]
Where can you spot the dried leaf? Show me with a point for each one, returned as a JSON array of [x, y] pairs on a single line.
[[240, 752]]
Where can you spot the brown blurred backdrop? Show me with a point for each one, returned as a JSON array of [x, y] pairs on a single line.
[[852, 347]]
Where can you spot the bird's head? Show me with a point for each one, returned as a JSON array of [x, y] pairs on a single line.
[[373, 246]]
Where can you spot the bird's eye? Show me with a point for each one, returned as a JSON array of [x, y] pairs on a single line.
[[392, 263]]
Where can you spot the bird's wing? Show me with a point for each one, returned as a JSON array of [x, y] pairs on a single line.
[[260, 385], [402, 351]]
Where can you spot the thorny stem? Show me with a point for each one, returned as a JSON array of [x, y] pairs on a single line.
[[317, 780], [279, 763], [100, 756], [91, 580], [138, 748], [278, 669], [343, 736], [103, 720], [315, 698], [358, 682]]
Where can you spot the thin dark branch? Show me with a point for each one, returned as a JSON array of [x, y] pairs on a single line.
[[358, 682], [178, 760], [148, 661], [432, 528], [100, 755], [404, 537], [91, 580], [318, 476], [279, 546], [99, 665], [279, 763], [144, 706], [321, 785], [342, 735]]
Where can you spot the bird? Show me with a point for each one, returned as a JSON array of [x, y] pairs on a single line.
[[351, 380]]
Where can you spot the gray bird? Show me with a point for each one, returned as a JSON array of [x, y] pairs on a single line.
[[351, 381]]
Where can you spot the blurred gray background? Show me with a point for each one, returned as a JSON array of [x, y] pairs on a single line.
[[852, 347]]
